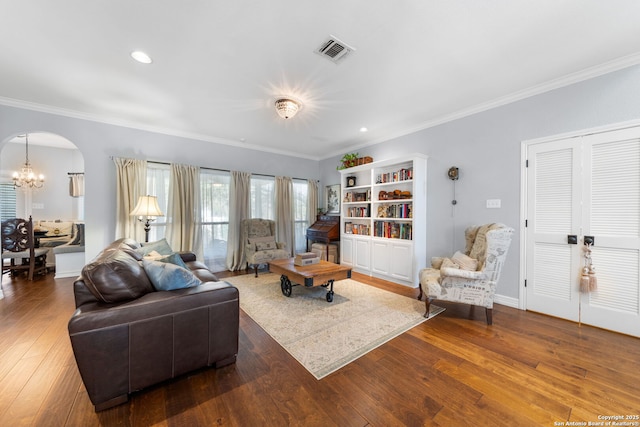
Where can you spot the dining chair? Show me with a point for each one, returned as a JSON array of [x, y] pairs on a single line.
[[18, 248]]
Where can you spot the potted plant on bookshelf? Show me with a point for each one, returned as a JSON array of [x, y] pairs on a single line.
[[347, 161]]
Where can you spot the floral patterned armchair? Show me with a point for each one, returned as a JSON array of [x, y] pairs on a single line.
[[470, 277], [260, 243]]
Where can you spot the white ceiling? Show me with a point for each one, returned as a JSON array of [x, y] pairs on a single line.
[[219, 66]]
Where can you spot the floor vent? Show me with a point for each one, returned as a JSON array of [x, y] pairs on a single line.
[[334, 50]]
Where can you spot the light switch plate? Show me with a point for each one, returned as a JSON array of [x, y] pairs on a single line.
[[493, 203]]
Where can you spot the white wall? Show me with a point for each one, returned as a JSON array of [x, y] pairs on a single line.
[[99, 142], [486, 147], [53, 200]]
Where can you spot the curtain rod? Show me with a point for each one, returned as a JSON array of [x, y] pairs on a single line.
[[227, 170], [75, 173]]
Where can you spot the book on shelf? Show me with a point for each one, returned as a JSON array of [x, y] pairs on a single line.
[[403, 174], [393, 230]]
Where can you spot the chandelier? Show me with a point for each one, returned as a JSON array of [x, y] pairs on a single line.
[[27, 178], [287, 107]]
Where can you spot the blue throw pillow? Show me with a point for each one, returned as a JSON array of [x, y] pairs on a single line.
[[165, 276], [174, 258], [161, 246]]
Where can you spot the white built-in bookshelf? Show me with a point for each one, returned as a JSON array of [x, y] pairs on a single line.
[[383, 218]]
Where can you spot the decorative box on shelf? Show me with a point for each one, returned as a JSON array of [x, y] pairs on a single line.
[[306, 258]]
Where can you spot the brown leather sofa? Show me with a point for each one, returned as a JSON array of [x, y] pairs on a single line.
[[127, 336]]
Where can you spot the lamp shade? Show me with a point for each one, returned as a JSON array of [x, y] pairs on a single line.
[[147, 206]]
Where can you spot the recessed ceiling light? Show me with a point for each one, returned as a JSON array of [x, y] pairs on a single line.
[[363, 129], [140, 56]]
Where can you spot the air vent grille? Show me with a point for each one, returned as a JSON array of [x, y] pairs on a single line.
[[333, 49]]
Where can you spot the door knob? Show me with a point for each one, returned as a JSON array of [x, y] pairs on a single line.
[[572, 239], [589, 240]]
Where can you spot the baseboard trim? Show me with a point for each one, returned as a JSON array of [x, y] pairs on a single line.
[[508, 301]]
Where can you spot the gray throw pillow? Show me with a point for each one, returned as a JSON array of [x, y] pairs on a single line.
[[78, 238], [165, 276], [161, 246]]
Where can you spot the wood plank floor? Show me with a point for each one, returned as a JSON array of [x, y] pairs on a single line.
[[453, 370]]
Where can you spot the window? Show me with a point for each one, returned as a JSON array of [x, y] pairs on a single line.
[[300, 218], [263, 197], [214, 201], [7, 201], [158, 185]]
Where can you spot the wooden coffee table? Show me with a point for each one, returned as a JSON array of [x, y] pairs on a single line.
[[322, 274]]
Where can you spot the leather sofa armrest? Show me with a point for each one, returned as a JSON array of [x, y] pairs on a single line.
[[187, 256], [82, 294]]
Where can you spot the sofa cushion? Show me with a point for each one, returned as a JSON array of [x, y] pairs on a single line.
[[55, 228], [116, 276], [166, 276]]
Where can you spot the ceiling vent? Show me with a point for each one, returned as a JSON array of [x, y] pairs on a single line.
[[334, 50]]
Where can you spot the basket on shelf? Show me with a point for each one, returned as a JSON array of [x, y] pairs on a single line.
[[364, 160], [357, 162]]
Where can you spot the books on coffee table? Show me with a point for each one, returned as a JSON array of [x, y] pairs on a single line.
[[306, 258]]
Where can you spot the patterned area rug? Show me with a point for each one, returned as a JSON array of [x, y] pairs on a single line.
[[325, 336]]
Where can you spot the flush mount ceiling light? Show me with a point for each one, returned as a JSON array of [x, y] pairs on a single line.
[[140, 56], [287, 107]]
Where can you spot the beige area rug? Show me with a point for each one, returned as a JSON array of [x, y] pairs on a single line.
[[325, 336]]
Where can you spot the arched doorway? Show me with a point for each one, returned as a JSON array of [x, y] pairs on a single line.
[[54, 207]]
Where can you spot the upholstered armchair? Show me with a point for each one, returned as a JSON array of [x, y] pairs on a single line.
[[260, 243], [470, 277]]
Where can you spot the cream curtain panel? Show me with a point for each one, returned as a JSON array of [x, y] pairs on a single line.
[[76, 185], [312, 200], [239, 199], [284, 212], [184, 219], [131, 178]]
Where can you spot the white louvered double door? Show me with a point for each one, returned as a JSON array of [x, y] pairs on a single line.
[[585, 186]]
